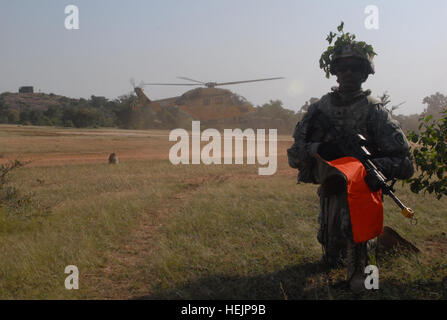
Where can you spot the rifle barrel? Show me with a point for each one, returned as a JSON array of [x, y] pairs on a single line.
[[406, 211]]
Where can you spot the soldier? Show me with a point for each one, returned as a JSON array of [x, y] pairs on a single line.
[[349, 109], [113, 159]]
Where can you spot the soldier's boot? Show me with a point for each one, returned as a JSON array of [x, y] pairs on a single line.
[[356, 259], [334, 254]]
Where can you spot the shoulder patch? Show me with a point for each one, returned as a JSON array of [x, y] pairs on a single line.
[[398, 137]]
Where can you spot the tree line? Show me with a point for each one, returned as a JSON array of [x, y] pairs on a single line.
[[66, 112], [102, 112]]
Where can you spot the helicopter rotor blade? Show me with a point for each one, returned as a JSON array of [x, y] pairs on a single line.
[[236, 82], [170, 84], [184, 78]]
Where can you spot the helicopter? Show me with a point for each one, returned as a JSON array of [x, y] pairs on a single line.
[[206, 103]]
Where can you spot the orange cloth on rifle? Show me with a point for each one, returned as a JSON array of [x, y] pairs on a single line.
[[365, 207]]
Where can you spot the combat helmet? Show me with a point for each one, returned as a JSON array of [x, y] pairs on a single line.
[[343, 47], [351, 51]]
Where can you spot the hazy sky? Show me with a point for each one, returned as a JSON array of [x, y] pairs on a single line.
[[226, 40]]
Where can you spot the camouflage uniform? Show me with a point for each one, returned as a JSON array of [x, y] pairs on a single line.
[[358, 113]]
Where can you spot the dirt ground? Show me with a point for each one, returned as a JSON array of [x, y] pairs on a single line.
[[47, 146]]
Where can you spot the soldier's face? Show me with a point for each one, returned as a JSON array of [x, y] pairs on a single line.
[[350, 73]]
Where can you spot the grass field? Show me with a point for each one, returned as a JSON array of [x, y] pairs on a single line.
[[148, 229]]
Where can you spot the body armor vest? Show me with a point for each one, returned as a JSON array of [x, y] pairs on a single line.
[[353, 118]]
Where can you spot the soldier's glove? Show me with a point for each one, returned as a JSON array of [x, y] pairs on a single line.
[[372, 182], [329, 151]]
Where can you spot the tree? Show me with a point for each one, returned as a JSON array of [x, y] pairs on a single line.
[[38, 118], [54, 114], [278, 115], [306, 105], [97, 102], [408, 123], [123, 111], [13, 116], [85, 117], [435, 104], [430, 155], [385, 97]]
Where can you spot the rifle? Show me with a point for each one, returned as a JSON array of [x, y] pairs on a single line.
[[355, 145]]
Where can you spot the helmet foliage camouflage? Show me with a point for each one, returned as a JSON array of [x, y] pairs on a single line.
[[346, 47]]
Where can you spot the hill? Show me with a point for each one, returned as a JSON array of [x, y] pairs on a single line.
[[33, 101], [51, 109]]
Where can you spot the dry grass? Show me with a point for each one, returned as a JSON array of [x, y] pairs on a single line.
[[148, 229]]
